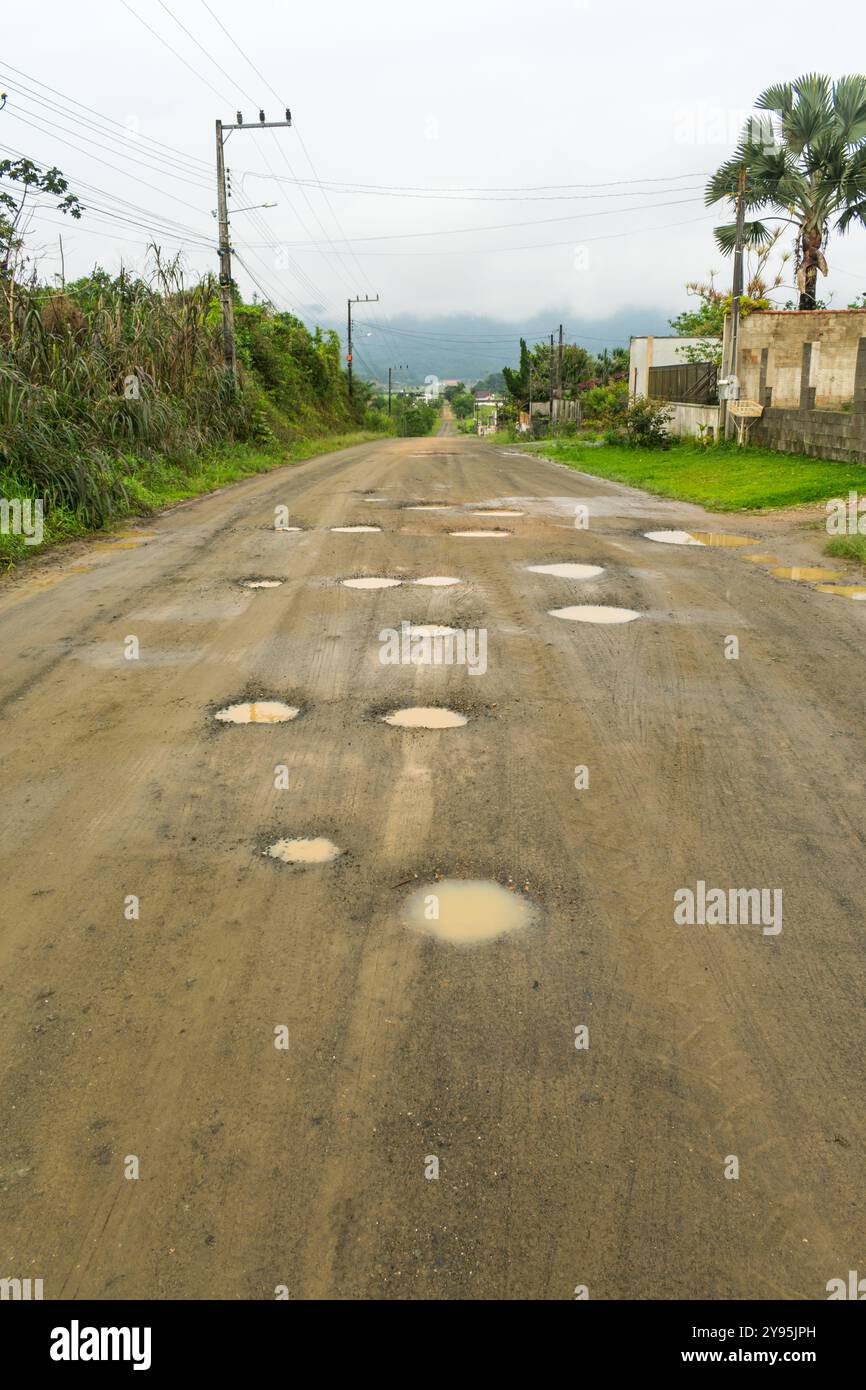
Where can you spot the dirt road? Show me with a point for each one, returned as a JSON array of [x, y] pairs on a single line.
[[157, 1037]]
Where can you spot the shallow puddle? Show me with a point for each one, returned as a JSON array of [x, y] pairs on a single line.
[[375, 499], [491, 511], [258, 712], [429, 717], [314, 851], [855, 591], [437, 581], [763, 559], [262, 583], [672, 537], [431, 630], [719, 538], [594, 613], [428, 507], [568, 571], [479, 533], [349, 529], [286, 528], [376, 582], [805, 573], [466, 911]]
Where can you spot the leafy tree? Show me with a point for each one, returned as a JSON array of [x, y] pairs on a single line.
[[13, 206], [805, 162]]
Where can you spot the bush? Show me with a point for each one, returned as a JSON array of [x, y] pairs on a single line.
[[643, 425], [605, 405]]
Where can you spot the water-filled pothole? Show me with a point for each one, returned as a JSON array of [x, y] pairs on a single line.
[[763, 559], [805, 573], [262, 583], [855, 591], [317, 850], [374, 582], [567, 571], [428, 507], [479, 534], [425, 717], [720, 538], [348, 530], [258, 712], [672, 537], [437, 581], [594, 613], [430, 630], [496, 511], [467, 912]]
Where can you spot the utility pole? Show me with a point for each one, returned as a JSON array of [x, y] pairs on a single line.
[[401, 366], [225, 251], [737, 291], [550, 427], [350, 302], [559, 369]]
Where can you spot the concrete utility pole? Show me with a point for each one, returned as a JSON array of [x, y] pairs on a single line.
[[737, 292], [357, 300], [225, 251]]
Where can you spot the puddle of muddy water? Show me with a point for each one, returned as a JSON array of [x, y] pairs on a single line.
[[763, 559], [720, 538], [301, 851], [567, 571], [594, 613], [479, 534], [466, 912], [429, 717], [493, 511], [348, 530], [262, 583], [431, 630], [428, 507], [855, 591], [375, 582], [437, 581], [258, 712], [672, 537], [805, 573], [284, 528]]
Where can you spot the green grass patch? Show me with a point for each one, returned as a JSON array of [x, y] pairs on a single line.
[[153, 483], [723, 479], [847, 548]]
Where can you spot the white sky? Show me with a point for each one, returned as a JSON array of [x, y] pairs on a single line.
[[452, 95]]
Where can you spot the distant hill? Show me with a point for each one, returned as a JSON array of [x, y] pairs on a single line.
[[468, 347]]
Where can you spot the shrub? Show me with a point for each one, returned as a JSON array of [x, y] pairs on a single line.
[[643, 425]]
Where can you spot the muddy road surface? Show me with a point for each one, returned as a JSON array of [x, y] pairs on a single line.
[[241, 1051]]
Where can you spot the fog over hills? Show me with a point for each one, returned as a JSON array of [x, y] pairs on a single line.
[[470, 346]]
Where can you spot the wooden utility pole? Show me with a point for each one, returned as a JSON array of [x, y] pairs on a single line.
[[559, 391], [225, 252], [357, 300], [737, 290], [550, 427]]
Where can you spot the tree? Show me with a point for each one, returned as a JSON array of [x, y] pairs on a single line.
[[13, 207], [805, 163], [517, 380]]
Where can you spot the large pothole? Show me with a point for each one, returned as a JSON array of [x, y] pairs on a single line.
[[567, 571], [372, 582], [467, 912], [258, 712], [317, 850], [594, 613], [425, 717]]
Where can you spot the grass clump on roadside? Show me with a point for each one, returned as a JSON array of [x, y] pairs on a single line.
[[721, 478], [847, 548]]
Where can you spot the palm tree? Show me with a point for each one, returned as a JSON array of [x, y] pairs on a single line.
[[805, 162]]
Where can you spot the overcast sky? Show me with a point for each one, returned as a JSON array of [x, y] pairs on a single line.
[[514, 101]]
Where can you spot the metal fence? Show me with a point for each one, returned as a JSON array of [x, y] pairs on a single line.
[[693, 382]]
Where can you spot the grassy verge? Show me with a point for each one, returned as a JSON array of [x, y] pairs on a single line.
[[722, 479], [847, 548], [157, 483]]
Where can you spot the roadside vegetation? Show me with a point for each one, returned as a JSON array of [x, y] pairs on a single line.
[[114, 399], [736, 480]]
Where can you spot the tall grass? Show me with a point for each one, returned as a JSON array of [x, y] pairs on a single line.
[[107, 373]]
